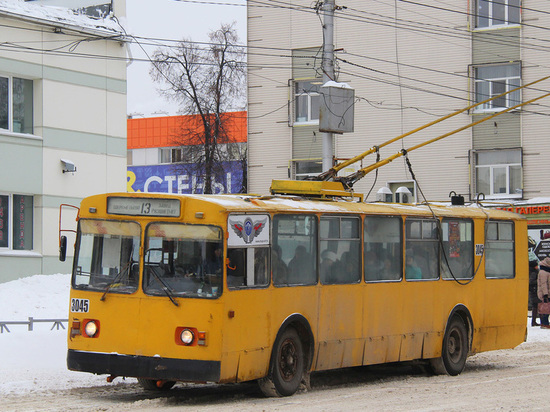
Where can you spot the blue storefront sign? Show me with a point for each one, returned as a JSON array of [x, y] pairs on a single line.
[[170, 178]]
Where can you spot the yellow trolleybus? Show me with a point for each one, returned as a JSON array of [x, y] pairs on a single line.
[[230, 288]]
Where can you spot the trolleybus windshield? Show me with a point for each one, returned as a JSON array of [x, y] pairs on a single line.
[[185, 260], [107, 256]]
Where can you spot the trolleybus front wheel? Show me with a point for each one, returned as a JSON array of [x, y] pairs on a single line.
[[155, 385], [286, 369], [455, 349]]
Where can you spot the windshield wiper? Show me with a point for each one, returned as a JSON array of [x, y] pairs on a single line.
[[124, 270], [168, 291]]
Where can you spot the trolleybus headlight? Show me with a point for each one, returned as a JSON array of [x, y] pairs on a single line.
[[91, 328], [187, 336]]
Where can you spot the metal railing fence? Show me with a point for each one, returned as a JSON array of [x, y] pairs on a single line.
[[57, 323]]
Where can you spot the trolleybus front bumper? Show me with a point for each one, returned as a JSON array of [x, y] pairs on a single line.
[[189, 370]]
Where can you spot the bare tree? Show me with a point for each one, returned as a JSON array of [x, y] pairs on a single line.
[[206, 81]]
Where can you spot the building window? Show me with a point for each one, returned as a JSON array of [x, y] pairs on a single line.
[[171, 155], [165, 155], [16, 101], [304, 169], [185, 154], [147, 156], [306, 101], [493, 80], [498, 173], [490, 13], [16, 222]]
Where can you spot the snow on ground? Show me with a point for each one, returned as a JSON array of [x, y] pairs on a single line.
[[33, 361], [36, 360]]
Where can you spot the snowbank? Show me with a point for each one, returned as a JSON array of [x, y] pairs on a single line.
[[36, 361]]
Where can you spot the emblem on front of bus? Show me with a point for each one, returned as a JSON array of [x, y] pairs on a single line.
[[248, 229]]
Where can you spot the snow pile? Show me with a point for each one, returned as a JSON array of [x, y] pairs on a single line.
[[36, 361], [39, 296], [59, 15]]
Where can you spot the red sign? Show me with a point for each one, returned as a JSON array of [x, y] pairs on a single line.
[[527, 210]]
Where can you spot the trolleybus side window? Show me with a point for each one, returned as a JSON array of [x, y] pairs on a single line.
[[248, 241], [457, 254], [183, 260], [421, 249], [383, 248], [340, 250], [499, 250], [108, 256], [295, 236], [247, 267]]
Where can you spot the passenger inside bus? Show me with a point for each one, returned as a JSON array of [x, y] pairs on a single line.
[[235, 267], [328, 272], [348, 267], [372, 266], [214, 264], [389, 272], [418, 252], [412, 271], [280, 270], [300, 268]]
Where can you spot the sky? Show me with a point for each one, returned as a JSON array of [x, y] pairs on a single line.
[[174, 20], [35, 361]]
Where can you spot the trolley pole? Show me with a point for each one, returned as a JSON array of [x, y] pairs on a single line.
[[328, 72]]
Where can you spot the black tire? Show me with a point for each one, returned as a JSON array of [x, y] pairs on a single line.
[[286, 369], [151, 384], [455, 349]]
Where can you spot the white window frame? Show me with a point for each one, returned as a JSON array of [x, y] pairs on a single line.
[[172, 154], [10, 104], [309, 96], [511, 98], [147, 156], [492, 5], [303, 176], [492, 167]]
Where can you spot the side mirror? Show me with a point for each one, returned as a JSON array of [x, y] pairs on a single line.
[[62, 248]]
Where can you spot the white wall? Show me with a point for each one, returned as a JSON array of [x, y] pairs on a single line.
[[79, 115], [388, 103]]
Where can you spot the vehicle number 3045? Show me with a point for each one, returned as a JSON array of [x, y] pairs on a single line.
[[80, 305]]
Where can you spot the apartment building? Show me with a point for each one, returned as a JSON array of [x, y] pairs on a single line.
[[410, 63], [62, 124]]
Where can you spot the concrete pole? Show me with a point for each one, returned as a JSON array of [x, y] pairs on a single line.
[[328, 72]]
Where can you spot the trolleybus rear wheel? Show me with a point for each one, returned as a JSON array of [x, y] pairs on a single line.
[[455, 349], [153, 384], [286, 369]]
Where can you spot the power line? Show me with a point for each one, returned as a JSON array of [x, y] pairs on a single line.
[[71, 46]]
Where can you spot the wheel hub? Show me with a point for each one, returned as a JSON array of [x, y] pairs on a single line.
[[288, 361]]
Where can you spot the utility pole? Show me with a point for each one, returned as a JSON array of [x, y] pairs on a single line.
[[328, 72]]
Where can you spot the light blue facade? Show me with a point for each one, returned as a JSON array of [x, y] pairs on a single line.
[[30, 164]]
